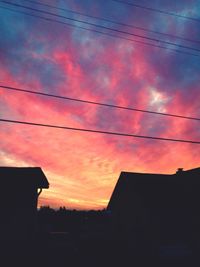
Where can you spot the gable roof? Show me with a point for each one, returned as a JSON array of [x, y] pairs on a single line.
[[23, 176], [153, 187]]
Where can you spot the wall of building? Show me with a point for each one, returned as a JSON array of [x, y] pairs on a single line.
[[18, 213]]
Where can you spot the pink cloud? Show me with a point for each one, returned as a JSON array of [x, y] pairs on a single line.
[[83, 168]]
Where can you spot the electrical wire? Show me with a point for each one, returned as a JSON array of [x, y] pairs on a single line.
[[98, 131], [103, 27], [157, 10], [99, 32], [114, 22], [97, 103]]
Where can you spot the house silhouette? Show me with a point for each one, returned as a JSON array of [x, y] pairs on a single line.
[[157, 209], [20, 188]]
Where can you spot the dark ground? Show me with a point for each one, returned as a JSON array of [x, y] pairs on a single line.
[[60, 249], [87, 239]]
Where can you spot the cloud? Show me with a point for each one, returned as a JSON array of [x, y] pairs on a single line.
[[83, 168]]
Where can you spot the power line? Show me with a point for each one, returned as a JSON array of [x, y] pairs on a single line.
[[157, 10], [99, 32], [98, 103], [115, 22], [101, 132], [103, 27]]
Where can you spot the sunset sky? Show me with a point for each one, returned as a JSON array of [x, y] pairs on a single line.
[[46, 56]]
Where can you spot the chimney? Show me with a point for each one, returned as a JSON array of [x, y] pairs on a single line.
[[179, 170]]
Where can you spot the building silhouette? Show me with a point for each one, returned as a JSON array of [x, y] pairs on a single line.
[[20, 188], [154, 210]]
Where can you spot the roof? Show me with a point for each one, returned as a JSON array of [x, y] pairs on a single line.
[[23, 176], [151, 186]]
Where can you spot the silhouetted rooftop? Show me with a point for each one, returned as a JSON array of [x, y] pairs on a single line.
[[34, 176], [156, 185]]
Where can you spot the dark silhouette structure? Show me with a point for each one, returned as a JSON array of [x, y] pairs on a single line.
[[20, 188], [151, 211]]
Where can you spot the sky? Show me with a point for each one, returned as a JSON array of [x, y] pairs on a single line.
[[50, 57]]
